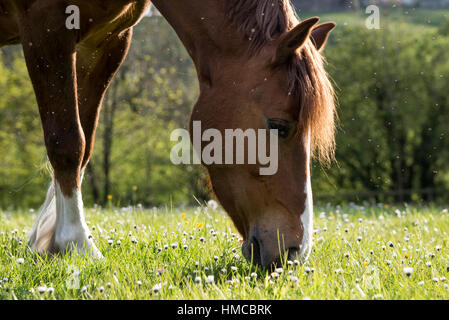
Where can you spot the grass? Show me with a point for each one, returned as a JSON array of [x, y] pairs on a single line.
[[359, 253], [417, 18]]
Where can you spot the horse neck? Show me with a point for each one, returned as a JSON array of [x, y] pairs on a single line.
[[206, 31]]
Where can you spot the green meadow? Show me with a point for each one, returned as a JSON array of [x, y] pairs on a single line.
[[372, 252]]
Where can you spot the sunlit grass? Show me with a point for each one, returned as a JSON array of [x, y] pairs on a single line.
[[376, 252], [417, 18]]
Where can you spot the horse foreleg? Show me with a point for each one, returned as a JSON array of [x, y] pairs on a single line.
[[96, 67], [51, 59]]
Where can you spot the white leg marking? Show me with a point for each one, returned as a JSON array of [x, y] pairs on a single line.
[[71, 228], [307, 216], [61, 224], [42, 234]]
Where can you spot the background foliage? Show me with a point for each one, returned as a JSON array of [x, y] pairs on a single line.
[[393, 107]]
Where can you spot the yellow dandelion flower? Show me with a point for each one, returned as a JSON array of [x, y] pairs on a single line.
[[386, 206], [134, 188], [187, 222], [365, 263], [407, 256], [200, 225], [109, 196], [183, 215]]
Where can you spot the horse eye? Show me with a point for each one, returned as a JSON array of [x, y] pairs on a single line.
[[284, 127]]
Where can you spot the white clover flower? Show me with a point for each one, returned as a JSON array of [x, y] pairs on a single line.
[[197, 279], [293, 279], [254, 275], [157, 288], [429, 264], [408, 271], [20, 261], [50, 290], [421, 283], [338, 271], [210, 279], [279, 270], [41, 289], [233, 268]]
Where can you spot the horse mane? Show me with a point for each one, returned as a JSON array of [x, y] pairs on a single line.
[[263, 21]]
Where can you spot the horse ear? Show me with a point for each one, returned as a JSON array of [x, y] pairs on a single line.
[[293, 40], [320, 34]]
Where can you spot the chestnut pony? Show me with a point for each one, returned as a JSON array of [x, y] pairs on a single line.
[[256, 64]]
